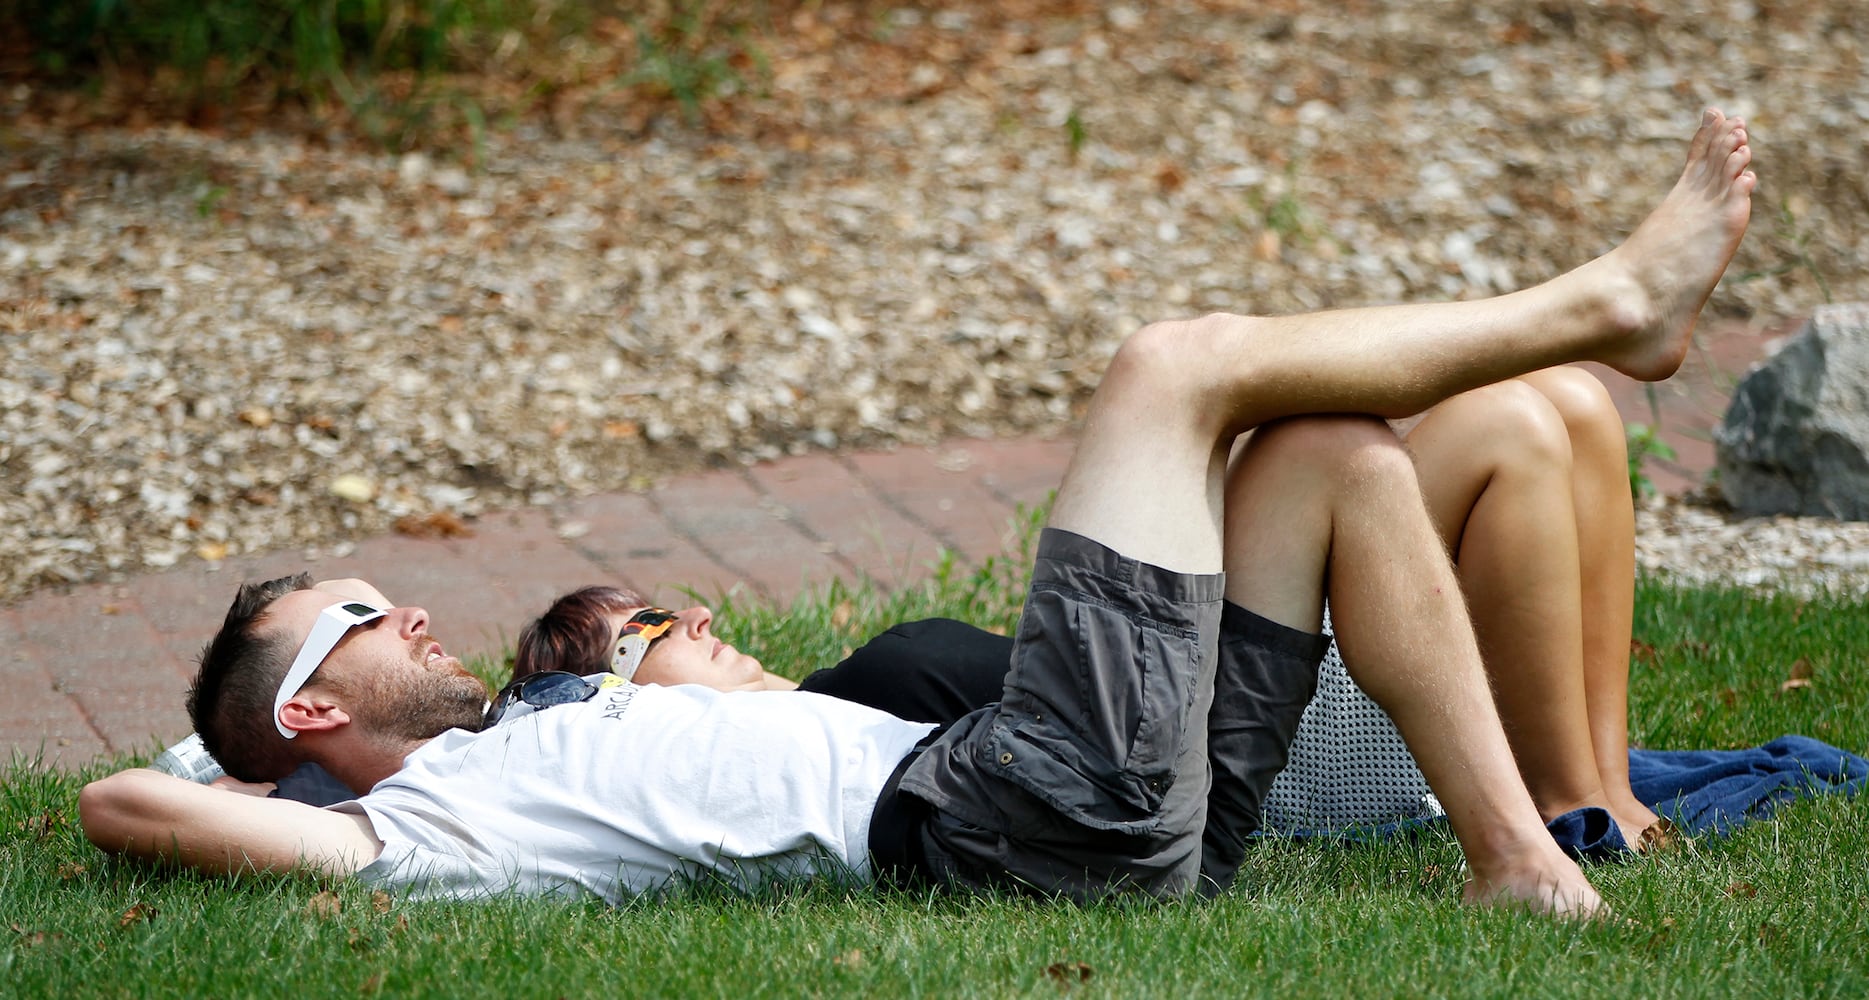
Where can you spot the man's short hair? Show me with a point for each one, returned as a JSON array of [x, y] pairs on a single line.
[[573, 634], [231, 700]]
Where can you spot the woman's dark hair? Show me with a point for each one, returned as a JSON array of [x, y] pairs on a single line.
[[573, 633]]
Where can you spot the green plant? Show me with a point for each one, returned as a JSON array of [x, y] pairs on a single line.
[[1074, 133], [1644, 443], [380, 60], [693, 53]]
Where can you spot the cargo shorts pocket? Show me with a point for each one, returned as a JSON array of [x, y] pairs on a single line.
[[1097, 712]]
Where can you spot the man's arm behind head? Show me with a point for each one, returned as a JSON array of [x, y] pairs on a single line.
[[157, 817]]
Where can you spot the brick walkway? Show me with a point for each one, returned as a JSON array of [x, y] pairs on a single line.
[[102, 669]]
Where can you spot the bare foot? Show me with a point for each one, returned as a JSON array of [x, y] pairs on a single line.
[[1634, 819], [1556, 887], [1662, 274]]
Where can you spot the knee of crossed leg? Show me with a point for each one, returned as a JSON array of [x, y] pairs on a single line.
[[1193, 362], [1349, 451]]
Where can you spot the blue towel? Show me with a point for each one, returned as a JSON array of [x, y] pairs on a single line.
[[1714, 791], [1702, 791]]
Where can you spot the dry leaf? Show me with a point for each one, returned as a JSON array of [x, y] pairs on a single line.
[[1068, 974], [136, 914], [1742, 890], [68, 870], [381, 901], [840, 615], [1643, 653], [32, 939], [440, 524], [43, 825], [325, 904], [852, 959]]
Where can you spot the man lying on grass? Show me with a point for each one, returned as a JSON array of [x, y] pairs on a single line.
[[1164, 579]]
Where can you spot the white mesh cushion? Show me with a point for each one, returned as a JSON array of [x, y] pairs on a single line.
[[1348, 764]]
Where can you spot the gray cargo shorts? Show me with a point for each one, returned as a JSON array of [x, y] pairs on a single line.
[[1090, 777]]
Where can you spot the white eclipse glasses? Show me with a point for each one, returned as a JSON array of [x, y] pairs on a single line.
[[333, 622]]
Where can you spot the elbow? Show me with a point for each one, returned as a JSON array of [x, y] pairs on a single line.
[[100, 813], [113, 809]]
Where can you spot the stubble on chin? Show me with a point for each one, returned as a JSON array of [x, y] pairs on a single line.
[[437, 706]]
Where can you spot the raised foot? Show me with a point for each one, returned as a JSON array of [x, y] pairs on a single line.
[[1660, 277]]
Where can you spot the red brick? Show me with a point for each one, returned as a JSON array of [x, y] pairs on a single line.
[[836, 506]]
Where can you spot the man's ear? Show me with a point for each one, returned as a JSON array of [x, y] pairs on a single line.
[[311, 712]]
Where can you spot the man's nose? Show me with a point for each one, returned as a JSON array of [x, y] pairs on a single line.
[[410, 622]]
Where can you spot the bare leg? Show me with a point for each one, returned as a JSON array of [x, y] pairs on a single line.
[[1336, 498], [1495, 465], [1606, 545], [1146, 475]]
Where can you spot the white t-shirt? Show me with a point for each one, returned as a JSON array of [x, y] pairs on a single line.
[[636, 788]]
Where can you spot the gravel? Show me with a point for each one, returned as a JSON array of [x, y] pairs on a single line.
[[930, 224]]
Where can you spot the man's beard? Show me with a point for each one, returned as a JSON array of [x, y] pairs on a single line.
[[425, 708]]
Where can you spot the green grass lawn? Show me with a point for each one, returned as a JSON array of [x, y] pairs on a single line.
[[1780, 908]]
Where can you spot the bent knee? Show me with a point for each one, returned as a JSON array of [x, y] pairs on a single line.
[[1512, 422], [1582, 402], [1344, 445]]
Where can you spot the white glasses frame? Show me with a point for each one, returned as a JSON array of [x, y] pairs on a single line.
[[333, 623]]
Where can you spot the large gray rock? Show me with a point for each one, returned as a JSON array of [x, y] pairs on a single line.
[[1796, 435]]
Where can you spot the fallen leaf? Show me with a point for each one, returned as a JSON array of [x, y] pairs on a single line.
[[440, 524], [324, 904], [136, 914], [43, 825], [1801, 670], [30, 938], [1068, 974], [1643, 653], [840, 615], [382, 901], [852, 959], [1741, 890], [69, 870]]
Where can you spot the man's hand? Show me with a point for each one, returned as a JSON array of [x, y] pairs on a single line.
[[258, 789]]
